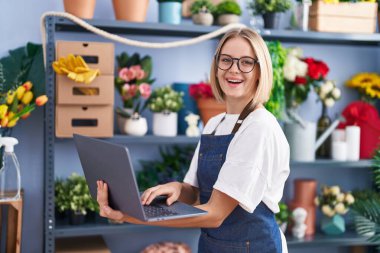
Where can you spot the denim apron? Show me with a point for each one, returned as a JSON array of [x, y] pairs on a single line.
[[241, 231]]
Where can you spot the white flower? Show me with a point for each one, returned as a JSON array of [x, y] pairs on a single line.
[[326, 210], [296, 52], [334, 190], [301, 68], [349, 198], [322, 94], [329, 102], [289, 68], [327, 87], [340, 208], [336, 93], [340, 197]]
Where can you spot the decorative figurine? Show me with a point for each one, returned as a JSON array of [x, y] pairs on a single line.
[[192, 120], [299, 216]]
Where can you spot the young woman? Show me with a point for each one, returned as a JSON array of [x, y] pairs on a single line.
[[241, 164]]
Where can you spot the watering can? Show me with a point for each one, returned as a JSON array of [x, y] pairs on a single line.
[[302, 140]]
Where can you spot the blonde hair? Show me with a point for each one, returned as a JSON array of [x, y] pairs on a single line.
[[264, 86]]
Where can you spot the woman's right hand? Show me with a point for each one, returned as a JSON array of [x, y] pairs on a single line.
[[172, 190]]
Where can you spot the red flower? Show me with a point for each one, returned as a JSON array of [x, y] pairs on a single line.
[[316, 69], [300, 80], [200, 90]]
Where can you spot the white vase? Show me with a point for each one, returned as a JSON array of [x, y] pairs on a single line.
[[165, 124], [122, 120], [136, 126], [301, 140]]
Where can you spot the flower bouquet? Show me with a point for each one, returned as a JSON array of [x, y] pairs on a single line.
[[367, 84], [333, 203], [133, 82]]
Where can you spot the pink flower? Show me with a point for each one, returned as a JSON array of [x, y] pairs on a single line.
[[131, 74], [125, 92], [145, 90], [123, 74], [140, 75], [133, 90]]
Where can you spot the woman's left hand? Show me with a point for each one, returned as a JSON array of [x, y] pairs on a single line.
[[102, 199]]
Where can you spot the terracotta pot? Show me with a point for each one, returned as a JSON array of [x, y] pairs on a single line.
[[80, 8], [226, 19], [305, 191], [130, 10], [209, 107]]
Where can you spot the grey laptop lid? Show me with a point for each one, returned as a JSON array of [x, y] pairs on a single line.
[[111, 163]]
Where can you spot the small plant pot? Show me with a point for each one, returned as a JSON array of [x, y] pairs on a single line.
[[80, 8], [203, 19], [165, 124], [76, 218], [333, 225], [130, 10], [272, 20], [136, 126], [226, 19], [170, 13]]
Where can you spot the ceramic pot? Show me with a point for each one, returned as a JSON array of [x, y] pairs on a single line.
[[333, 225], [165, 123], [203, 19], [80, 8], [170, 13], [136, 126], [130, 10], [226, 19], [76, 218]]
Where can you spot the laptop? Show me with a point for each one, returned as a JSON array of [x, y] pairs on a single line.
[[111, 163]]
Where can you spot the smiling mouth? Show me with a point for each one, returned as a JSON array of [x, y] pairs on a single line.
[[234, 82]]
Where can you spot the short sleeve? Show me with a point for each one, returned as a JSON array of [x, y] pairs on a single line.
[[191, 175], [243, 175]]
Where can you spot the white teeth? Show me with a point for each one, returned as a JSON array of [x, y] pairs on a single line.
[[234, 81]]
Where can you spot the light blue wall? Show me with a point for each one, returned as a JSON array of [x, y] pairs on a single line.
[[19, 25]]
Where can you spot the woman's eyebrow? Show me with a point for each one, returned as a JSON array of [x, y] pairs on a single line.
[[239, 57]]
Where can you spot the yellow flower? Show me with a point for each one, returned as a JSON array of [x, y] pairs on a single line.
[[373, 90], [331, 1], [363, 80], [3, 110]]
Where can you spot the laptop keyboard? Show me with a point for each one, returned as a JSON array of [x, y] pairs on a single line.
[[152, 211]]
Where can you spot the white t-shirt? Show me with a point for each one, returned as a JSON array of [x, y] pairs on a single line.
[[257, 161]]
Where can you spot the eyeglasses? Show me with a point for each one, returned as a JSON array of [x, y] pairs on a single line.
[[245, 64]]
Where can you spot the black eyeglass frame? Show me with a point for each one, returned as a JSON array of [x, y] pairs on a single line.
[[217, 57]]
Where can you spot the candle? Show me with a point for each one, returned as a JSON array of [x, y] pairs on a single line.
[[353, 142], [338, 135], [339, 150]]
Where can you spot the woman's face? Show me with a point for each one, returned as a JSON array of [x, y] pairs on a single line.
[[234, 83]]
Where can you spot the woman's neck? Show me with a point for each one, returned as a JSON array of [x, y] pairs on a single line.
[[237, 106]]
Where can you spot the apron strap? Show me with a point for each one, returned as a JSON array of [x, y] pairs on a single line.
[[246, 111]]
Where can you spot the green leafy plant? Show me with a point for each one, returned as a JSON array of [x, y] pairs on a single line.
[[228, 7], [172, 166], [165, 99], [276, 102], [72, 194], [260, 7], [202, 6], [283, 215], [367, 205]]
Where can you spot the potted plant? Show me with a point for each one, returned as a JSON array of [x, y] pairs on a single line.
[[201, 11], [282, 217], [207, 104], [333, 203], [73, 196], [228, 12], [165, 103], [133, 84], [170, 11], [270, 10]]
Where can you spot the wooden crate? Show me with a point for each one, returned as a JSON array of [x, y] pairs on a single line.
[[99, 92], [97, 55], [343, 17], [93, 244], [91, 120]]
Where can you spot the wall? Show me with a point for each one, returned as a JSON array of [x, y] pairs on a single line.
[[20, 25]]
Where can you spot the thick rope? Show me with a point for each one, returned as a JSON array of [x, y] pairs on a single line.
[[130, 42]]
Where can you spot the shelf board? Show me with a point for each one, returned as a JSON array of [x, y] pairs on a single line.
[[191, 30], [151, 139], [349, 238], [102, 227], [328, 163]]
